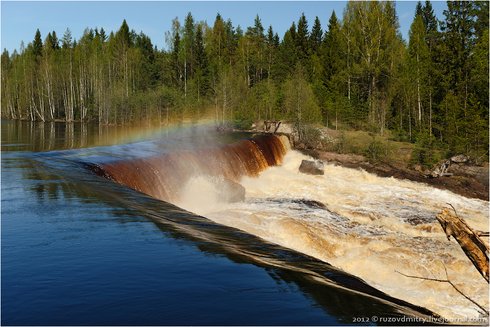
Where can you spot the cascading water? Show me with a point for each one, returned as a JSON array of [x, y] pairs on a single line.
[[163, 176], [369, 226]]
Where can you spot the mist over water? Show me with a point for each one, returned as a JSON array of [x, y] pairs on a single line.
[[163, 176], [371, 227]]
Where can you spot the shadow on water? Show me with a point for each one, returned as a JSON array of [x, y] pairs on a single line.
[[340, 294]]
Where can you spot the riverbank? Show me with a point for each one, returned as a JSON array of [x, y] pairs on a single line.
[[385, 157], [467, 180]]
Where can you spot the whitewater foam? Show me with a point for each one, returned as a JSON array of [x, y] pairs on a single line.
[[372, 228]]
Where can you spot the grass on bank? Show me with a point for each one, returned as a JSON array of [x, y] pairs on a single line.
[[374, 147]]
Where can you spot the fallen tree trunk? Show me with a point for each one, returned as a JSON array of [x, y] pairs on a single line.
[[441, 170], [473, 246]]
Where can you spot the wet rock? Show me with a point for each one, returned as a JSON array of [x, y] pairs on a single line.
[[230, 191], [310, 203], [311, 167]]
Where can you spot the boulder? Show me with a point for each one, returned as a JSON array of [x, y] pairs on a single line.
[[230, 191], [312, 167], [460, 158]]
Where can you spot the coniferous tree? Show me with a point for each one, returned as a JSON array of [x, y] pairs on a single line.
[[202, 73], [37, 44], [334, 74], [176, 49], [287, 55], [331, 48], [429, 18], [55, 43], [419, 11], [102, 34], [256, 47], [67, 40], [433, 90], [459, 36], [302, 39], [419, 54], [123, 34], [316, 35], [482, 15], [188, 50]]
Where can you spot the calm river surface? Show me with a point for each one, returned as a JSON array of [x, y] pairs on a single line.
[[78, 249]]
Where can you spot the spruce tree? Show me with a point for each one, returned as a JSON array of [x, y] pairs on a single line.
[[482, 15], [175, 53], [331, 48], [419, 55], [188, 41], [102, 34], [123, 35], [302, 38], [419, 11], [37, 44], [429, 18], [54, 41], [202, 71], [316, 35]]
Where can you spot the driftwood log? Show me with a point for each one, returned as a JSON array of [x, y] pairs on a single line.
[[473, 246], [268, 124], [441, 170]]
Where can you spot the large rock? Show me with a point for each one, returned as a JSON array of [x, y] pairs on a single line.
[[230, 191], [312, 167], [460, 158]]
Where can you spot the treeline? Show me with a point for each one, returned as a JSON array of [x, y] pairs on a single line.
[[357, 72]]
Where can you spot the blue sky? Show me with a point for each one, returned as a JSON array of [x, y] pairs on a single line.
[[20, 19]]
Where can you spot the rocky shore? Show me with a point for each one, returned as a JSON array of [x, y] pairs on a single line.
[[463, 178], [466, 179]]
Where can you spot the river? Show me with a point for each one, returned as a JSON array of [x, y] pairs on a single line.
[[78, 248]]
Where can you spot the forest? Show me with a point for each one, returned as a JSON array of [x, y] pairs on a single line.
[[352, 72]]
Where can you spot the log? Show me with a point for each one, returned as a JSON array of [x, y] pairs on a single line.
[[441, 170], [268, 124], [277, 126], [473, 246]]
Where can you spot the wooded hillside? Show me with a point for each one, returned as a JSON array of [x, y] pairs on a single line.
[[351, 72]]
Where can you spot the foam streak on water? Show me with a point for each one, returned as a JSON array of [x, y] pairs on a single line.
[[372, 227]]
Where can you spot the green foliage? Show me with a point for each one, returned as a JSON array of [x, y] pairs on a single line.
[[316, 35], [378, 151], [311, 137], [426, 152], [300, 104], [359, 74], [243, 123], [37, 44], [341, 144]]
